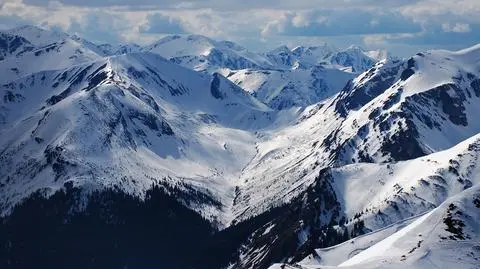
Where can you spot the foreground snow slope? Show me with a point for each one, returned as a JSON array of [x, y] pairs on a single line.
[[370, 197], [446, 237], [381, 194], [335, 255]]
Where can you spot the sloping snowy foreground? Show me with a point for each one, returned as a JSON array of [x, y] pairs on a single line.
[[445, 237]]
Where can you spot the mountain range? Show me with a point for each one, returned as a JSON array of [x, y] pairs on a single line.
[[196, 153]]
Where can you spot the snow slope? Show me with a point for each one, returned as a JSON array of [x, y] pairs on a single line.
[[352, 59], [44, 50], [373, 197], [371, 120], [446, 237], [452, 242], [283, 89], [380, 194], [335, 255], [127, 121]]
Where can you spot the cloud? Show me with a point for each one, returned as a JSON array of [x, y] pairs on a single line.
[[328, 22], [106, 3], [453, 35], [438, 10], [99, 27], [457, 27], [260, 24], [230, 5], [218, 5], [10, 21], [385, 39], [432, 37], [158, 23]]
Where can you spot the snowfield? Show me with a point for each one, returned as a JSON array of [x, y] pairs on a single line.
[[425, 241]]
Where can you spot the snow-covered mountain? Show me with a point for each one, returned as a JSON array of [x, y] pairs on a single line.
[[124, 114], [284, 89], [353, 59], [109, 50], [104, 148], [423, 107], [281, 78], [300, 57], [201, 53], [35, 49], [446, 237], [12, 44], [396, 111], [304, 75]]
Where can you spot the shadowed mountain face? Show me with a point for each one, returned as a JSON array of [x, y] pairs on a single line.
[[115, 157]]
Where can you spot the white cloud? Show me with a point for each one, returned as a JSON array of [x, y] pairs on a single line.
[[300, 20], [230, 5], [373, 22], [384, 39], [441, 10], [375, 40], [456, 28]]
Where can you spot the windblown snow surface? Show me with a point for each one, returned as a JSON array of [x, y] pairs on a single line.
[[445, 237]]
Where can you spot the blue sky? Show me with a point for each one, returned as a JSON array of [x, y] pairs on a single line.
[[401, 26]]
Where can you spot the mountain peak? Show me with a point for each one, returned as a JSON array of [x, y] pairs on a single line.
[[195, 37], [355, 48], [28, 28], [280, 49], [39, 36]]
